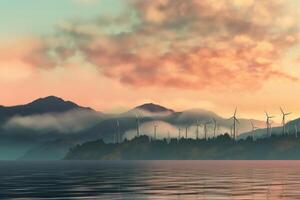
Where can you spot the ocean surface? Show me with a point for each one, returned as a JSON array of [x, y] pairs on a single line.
[[239, 180]]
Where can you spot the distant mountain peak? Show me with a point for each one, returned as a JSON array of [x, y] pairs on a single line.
[[49, 99], [50, 104], [154, 108], [56, 103]]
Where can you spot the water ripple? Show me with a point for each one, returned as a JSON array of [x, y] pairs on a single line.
[[161, 180]]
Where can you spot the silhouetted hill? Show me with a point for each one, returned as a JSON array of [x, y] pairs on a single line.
[[219, 148], [53, 150], [50, 104]]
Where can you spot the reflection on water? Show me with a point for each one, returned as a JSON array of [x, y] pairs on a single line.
[[151, 180]]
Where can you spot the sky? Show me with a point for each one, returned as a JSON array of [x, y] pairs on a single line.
[[112, 55]]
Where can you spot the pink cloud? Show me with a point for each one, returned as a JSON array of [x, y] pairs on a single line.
[[183, 44]]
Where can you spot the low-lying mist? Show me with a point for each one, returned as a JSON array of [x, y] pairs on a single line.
[[67, 122]]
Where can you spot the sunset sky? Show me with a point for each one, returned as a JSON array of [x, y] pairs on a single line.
[[112, 55]]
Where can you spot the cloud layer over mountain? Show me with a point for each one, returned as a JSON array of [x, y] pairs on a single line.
[[68, 122]]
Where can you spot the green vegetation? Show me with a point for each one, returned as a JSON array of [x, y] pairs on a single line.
[[219, 148]]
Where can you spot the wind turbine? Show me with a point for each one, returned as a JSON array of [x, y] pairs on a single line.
[[155, 129], [137, 125], [268, 124], [231, 135], [197, 130], [283, 119], [271, 127], [296, 131], [205, 129], [186, 131], [215, 126], [179, 132], [235, 120], [253, 127]]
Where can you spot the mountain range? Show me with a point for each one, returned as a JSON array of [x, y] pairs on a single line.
[[47, 127]]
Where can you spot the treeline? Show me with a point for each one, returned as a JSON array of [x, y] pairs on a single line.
[[223, 147]]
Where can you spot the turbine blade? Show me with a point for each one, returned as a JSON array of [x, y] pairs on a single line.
[[266, 114], [281, 110]]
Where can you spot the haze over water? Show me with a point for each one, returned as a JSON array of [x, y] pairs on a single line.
[[150, 180]]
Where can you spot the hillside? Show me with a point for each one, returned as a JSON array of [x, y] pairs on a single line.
[[220, 148], [24, 128], [291, 128]]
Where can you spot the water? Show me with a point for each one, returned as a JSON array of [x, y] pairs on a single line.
[[239, 180]]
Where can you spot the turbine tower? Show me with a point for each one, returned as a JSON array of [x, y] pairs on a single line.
[[155, 129], [296, 131], [235, 121], [186, 131], [179, 133], [215, 126], [268, 123], [283, 119], [137, 125], [197, 130], [271, 127], [253, 127], [205, 129]]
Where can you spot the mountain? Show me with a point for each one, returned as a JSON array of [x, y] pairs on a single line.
[[47, 127], [50, 104], [153, 108], [24, 127]]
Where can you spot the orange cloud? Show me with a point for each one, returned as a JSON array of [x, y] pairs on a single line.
[[12, 65], [182, 44]]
